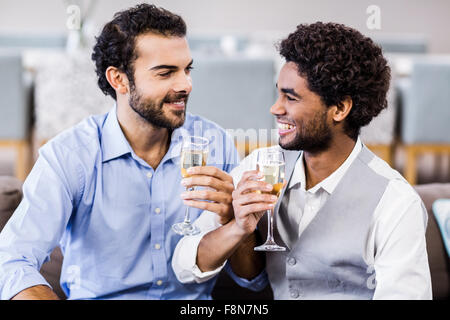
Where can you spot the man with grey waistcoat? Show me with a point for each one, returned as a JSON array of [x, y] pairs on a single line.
[[352, 226]]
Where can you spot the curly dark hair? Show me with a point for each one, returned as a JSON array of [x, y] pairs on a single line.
[[115, 45], [339, 62]]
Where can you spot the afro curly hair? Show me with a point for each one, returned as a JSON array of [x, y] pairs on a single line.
[[115, 45], [339, 62]]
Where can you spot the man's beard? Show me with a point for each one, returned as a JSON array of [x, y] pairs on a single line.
[[152, 111], [314, 136]]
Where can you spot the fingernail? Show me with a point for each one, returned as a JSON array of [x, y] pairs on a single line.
[[184, 182], [260, 174], [273, 198], [190, 170], [183, 195]]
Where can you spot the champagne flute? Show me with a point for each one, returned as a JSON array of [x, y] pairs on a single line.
[[271, 163], [194, 152]]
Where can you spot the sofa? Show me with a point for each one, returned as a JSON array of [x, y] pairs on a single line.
[[11, 194]]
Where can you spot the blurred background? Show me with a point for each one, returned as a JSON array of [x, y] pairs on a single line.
[[48, 82]]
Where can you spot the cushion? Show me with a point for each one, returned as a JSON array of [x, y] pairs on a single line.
[[437, 256], [441, 211], [51, 270], [10, 196]]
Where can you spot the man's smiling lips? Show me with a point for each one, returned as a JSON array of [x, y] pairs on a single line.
[[285, 128], [177, 105]]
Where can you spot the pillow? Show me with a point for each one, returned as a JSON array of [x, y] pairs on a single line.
[[10, 197], [441, 211]]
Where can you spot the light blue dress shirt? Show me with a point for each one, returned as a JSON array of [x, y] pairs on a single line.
[[109, 211]]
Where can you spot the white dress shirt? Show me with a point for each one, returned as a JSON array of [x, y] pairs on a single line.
[[395, 244]]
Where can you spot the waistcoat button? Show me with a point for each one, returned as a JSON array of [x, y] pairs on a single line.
[[291, 261], [294, 293]]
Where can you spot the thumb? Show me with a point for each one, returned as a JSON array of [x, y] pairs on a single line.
[[259, 215]]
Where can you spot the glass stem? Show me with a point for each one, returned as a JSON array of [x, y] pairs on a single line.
[[187, 219], [269, 226]]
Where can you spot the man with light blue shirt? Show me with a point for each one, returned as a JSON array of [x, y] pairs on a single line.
[[108, 190]]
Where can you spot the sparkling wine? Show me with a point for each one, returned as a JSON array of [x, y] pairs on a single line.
[[192, 158], [274, 175]]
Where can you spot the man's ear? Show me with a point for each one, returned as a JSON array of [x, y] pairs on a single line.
[[117, 79], [342, 109]]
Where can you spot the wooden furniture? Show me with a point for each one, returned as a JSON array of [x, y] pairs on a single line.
[[414, 151], [15, 110], [425, 112], [22, 163]]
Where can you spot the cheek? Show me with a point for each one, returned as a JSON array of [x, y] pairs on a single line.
[[151, 87], [156, 94]]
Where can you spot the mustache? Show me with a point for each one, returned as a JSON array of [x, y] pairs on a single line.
[[172, 97], [286, 120]]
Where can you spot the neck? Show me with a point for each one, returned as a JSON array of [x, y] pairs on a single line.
[[320, 165], [150, 143]]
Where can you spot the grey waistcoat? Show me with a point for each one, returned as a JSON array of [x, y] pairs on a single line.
[[326, 261]]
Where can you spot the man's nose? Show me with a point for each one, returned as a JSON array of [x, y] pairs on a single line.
[[277, 108], [183, 83]]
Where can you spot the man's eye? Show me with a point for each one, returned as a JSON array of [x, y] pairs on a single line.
[[290, 99], [165, 74], [189, 69]]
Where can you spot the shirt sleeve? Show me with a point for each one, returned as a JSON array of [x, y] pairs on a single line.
[[185, 254], [36, 226], [400, 256], [256, 284]]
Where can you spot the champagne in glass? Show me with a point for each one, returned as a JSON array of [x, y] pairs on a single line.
[[192, 158], [194, 152], [274, 175], [271, 163]]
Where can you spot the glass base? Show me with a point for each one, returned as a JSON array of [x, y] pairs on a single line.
[[269, 246], [185, 229]]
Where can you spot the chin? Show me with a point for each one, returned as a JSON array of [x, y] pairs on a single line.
[[288, 144], [179, 118]]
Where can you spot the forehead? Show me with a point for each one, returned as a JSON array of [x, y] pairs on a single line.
[[290, 78], [154, 49]]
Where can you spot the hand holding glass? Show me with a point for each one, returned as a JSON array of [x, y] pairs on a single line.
[[271, 163], [194, 152]]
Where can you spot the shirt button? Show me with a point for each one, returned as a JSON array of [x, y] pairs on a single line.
[[149, 175], [294, 293], [157, 210], [157, 246], [159, 282], [291, 261]]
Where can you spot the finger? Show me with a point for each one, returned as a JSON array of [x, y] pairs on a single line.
[[249, 175], [252, 185], [250, 198], [208, 181], [220, 209], [259, 215], [216, 196], [210, 171], [255, 208]]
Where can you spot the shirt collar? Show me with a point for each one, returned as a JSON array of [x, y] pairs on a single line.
[[115, 144], [329, 183]]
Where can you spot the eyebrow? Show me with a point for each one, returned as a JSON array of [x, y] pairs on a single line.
[[289, 91], [170, 67]]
